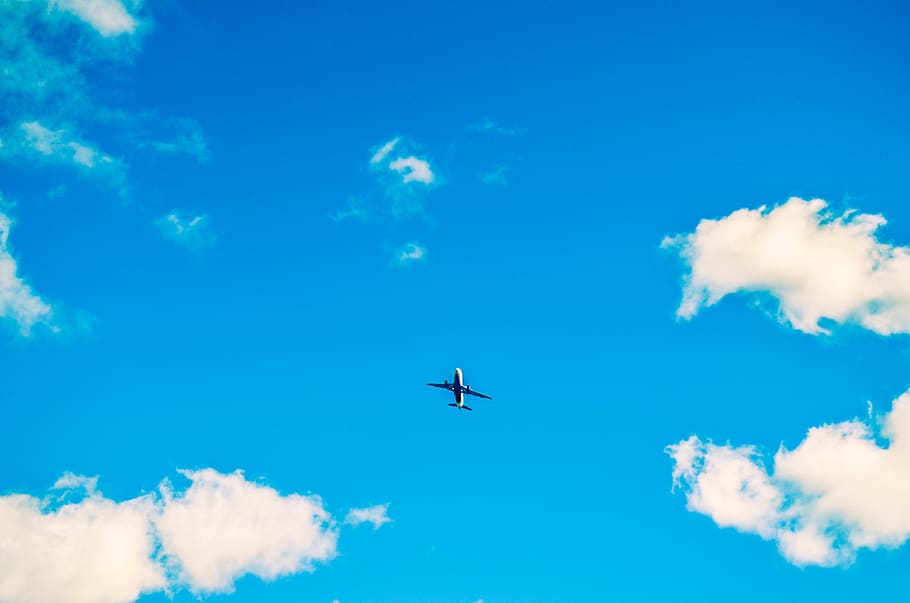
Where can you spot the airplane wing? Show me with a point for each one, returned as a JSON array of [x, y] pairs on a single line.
[[447, 386], [478, 394]]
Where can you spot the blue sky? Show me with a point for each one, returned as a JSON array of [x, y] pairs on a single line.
[[205, 272]]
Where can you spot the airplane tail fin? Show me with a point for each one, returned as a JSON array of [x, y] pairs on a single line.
[[467, 408], [453, 404]]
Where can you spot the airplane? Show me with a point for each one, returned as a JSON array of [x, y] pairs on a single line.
[[458, 388]]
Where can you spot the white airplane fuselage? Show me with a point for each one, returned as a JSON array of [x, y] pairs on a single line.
[[458, 390]]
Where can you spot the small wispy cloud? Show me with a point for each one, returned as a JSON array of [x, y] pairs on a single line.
[[412, 169], [488, 126], [355, 209], [72, 481], [399, 157], [402, 179], [17, 300], [33, 139], [377, 516], [195, 232], [59, 146], [56, 192], [410, 253], [496, 175], [187, 138]]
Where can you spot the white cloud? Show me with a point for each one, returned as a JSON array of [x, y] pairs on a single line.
[[82, 547], [93, 551], [377, 515], [411, 252], [837, 492], [107, 17], [818, 265], [71, 481], [192, 232], [41, 63], [380, 155], [402, 177], [728, 484], [45, 61], [17, 300], [224, 527], [412, 169], [60, 147]]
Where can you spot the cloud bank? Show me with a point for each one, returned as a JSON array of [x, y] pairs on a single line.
[[837, 492], [815, 263], [78, 546]]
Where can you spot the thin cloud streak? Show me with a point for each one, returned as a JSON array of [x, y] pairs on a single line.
[[488, 126], [18, 302]]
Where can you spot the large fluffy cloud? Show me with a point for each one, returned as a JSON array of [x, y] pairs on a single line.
[[17, 300], [78, 546], [93, 551], [224, 526], [837, 492], [817, 264]]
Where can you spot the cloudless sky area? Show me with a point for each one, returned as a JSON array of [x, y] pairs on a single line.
[[566, 141]]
